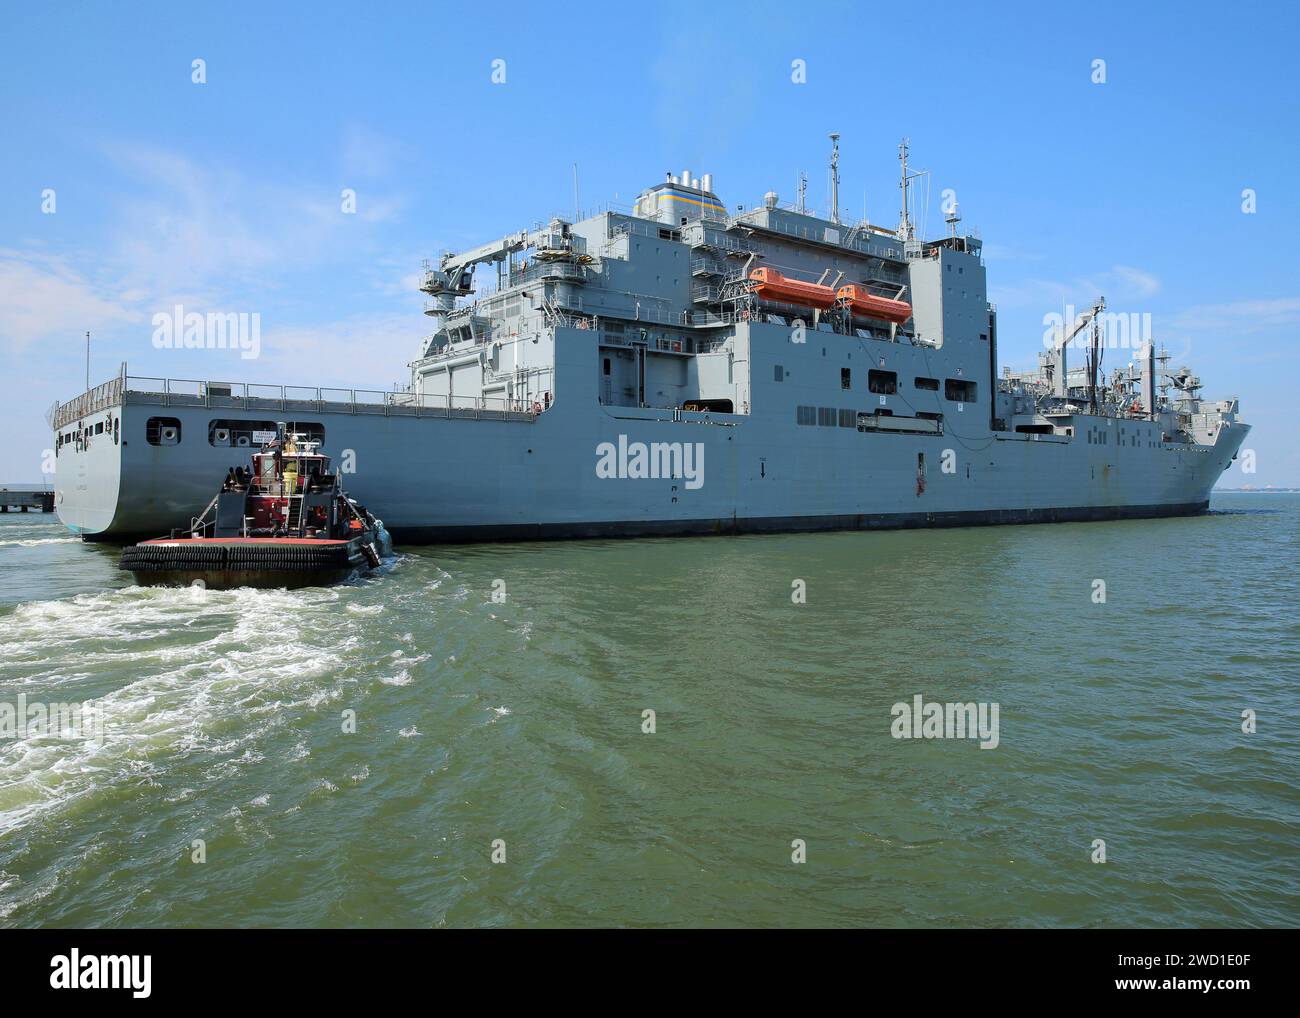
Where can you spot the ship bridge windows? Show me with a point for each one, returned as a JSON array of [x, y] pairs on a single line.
[[163, 431], [959, 390], [883, 382]]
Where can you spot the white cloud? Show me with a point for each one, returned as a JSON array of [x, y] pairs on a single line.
[[200, 228], [42, 297], [363, 349], [994, 252], [208, 237], [1137, 282], [1240, 316], [1122, 283]]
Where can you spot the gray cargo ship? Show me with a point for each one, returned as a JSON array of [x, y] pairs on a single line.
[[679, 369]]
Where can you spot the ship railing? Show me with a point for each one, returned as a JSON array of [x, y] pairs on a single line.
[[714, 318], [320, 399], [99, 398], [725, 242], [656, 314], [708, 265], [615, 207], [558, 269], [629, 228], [854, 237]]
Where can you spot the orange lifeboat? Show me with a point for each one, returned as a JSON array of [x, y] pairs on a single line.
[[772, 285], [867, 305]]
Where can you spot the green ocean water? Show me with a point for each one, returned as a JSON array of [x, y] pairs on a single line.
[[519, 722]]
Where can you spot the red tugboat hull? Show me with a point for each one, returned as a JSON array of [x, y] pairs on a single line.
[[225, 563]]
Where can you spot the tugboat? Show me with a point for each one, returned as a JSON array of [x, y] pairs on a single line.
[[285, 523]]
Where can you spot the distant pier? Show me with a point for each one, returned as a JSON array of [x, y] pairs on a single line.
[[25, 500]]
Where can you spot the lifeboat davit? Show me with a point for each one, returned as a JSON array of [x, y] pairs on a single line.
[[866, 304], [772, 285]]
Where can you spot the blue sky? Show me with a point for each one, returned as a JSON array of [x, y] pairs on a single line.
[[225, 195]]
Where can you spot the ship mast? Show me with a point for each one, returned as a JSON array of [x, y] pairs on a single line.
[[904, 222], [835, 177]]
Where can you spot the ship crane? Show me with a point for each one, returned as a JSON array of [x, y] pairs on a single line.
[[454, 276], [1057, 364]]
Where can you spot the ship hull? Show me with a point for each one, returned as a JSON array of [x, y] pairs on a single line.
[[792, 524], [445, 478]]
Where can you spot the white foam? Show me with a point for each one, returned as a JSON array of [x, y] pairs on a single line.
[[261, 656]]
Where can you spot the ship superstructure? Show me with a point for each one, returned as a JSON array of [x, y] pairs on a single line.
[[678, 368]]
